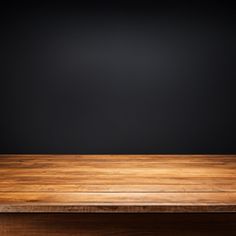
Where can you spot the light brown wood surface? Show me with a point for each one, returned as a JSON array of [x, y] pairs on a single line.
[[117, 183]]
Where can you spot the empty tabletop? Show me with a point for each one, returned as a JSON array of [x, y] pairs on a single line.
[[117, 183]]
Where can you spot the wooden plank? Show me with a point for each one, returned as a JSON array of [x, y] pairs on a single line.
[[126, 188], [117, 179], [120, 158], [114, 164], [105, 183], [209, 171], [149, 198]]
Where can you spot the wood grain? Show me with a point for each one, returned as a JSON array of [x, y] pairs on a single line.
[[117, 183]]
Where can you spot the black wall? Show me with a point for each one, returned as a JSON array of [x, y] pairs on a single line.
[[118, 78]]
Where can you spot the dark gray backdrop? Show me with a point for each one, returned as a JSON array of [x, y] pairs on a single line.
[[115, 78]]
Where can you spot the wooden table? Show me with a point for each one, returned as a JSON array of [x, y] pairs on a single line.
[[140, 194]]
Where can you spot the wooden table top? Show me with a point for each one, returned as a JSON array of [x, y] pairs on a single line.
[[117, 183]]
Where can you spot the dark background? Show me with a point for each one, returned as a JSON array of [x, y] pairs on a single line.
[[116, 77]]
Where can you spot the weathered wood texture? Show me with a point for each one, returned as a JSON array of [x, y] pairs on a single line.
[[146, 224], [117, 183]]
